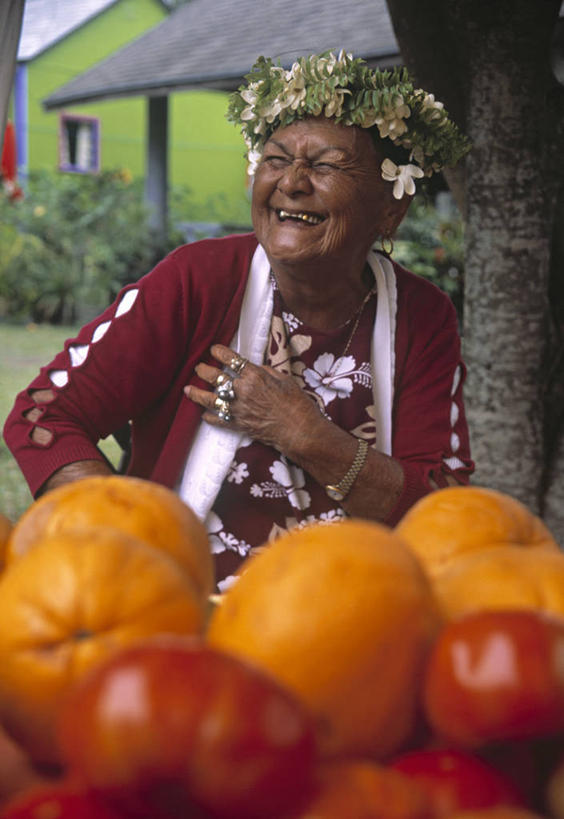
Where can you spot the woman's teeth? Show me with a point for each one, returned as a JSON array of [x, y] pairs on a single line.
[[310, 218]]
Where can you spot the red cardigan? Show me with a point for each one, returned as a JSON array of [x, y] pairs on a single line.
[[133, 361]]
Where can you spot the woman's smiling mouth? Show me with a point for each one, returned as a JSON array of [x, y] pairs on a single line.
[[300, 216]]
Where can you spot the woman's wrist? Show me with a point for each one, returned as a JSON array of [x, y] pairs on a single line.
[[74, 472]]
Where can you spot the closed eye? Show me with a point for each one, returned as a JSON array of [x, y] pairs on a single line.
[[276, 160]]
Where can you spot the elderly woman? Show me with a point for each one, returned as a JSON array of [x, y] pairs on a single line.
[[290, 375]]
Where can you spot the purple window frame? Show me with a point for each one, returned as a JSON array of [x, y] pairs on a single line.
[[95, 126]]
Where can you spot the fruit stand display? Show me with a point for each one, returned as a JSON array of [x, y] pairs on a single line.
[[352, 671]]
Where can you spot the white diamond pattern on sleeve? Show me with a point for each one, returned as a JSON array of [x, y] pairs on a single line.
[[60, 378], [78, 353]]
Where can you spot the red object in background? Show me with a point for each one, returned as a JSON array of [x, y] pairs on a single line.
[[494, 676], [177, 720], [9, 164], [456, 780], [63, 800]]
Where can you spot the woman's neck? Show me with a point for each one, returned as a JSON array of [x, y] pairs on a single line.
[[322, 298]]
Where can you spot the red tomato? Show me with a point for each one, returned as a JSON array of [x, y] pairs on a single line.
[[497, 675], [457, 780], [176, 721], [62, 800]]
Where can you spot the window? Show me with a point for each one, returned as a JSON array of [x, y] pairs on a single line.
[[79, 144]]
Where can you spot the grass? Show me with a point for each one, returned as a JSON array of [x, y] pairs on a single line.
[[23, 350]]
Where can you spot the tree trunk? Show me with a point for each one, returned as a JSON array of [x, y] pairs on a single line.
[[490, 63]]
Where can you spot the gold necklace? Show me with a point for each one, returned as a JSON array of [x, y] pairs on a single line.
[[357, 320], [357, 315]]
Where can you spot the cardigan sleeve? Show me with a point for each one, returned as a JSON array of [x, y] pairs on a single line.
[[430, 433], [117, 366]]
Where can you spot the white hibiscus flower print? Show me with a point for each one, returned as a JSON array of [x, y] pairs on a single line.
[[237, 472], [331, 377], [214, 526], [222, 541], [292, 479]]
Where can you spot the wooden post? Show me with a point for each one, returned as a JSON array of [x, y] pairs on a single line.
[[156, 178]]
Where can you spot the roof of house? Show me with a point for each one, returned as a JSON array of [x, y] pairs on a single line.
[[45, 22], [213, 43]]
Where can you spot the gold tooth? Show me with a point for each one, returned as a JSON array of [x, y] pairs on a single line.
[[305, 217]]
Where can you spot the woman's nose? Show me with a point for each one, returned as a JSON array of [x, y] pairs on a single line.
[[295, 179]]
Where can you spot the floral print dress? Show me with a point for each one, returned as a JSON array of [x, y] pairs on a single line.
[[265, 494]]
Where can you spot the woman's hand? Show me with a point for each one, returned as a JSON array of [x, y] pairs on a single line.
[[268, 406]]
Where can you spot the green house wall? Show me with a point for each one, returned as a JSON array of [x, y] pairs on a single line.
[[205, 151]]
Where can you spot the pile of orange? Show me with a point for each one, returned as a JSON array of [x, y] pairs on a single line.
[[484, 549], [91, 567], [343, 615]]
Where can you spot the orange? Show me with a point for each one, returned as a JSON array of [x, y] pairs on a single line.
[[147, 510], [364, 790], [502, 577], [69, 602], [457, 520], [6, 527], [343, 615]]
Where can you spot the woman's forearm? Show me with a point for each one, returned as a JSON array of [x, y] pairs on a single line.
[[75, 472], [326, 452]]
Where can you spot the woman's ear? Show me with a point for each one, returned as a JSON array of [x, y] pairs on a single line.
[[394, 214]]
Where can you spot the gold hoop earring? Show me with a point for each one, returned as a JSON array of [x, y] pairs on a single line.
[[387, 245]]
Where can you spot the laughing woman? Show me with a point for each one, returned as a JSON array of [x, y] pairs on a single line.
[[289, 375]]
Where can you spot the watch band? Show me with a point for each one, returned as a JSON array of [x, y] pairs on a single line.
[[340, 490]]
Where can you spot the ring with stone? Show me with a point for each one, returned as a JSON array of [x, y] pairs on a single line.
[[221, 379], [237, 364], [222, 408], [225, 390]]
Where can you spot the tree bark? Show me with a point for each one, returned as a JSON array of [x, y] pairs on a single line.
[[490, 64]]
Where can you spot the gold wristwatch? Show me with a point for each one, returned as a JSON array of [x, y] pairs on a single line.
[[340, 490]]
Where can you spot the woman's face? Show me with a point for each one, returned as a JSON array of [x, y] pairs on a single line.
[[319, 194]]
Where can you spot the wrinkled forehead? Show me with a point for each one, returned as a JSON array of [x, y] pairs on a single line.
[[315, 135]]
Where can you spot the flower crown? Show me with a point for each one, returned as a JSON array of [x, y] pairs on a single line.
[[347, 90]]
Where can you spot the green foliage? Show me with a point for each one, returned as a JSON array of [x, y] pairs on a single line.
[[71, 242], [432, 245]]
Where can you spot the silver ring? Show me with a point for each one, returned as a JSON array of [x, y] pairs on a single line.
[[237, 364]]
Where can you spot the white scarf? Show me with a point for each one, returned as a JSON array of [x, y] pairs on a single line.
[[213, 448]]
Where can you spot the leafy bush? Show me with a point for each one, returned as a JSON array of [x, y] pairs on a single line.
[[71, 243]]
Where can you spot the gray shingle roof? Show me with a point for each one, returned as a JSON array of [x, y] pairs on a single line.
[[213, 43], [47, 21]]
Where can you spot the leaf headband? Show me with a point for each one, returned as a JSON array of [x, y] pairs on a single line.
[[348, 91]]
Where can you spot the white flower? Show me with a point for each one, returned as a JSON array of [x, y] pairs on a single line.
[[328, 376], [390, 121], [292, 479], [214, 525], [271, 111], [334, 108], [402, 176], [256, 491], [295, 92], [431, 104], [237, 473], [253, 158]]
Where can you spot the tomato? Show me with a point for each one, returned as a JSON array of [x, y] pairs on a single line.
[[63, 800], [496, 675], [176, 721], [457, 780], [347, 788]]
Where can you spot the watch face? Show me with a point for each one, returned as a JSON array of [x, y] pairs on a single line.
[[334, 493]]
